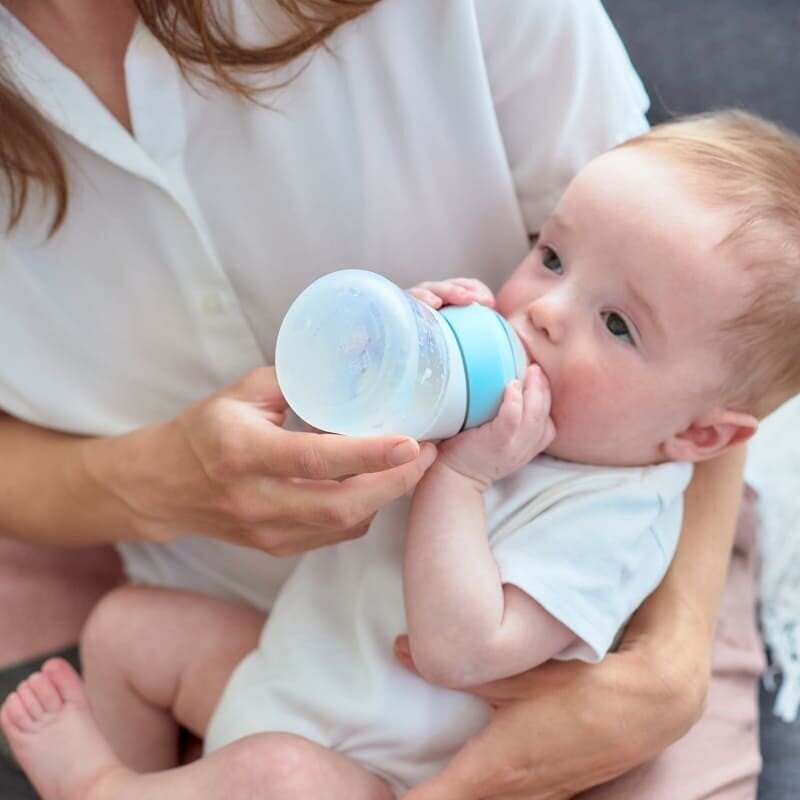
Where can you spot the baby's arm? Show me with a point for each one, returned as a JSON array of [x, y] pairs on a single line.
[[465, 626]]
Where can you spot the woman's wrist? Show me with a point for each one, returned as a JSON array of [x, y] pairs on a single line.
[[672, 648], [103, 475], [135, 478], [50, 495]]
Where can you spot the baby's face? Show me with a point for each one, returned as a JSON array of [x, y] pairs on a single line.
[[621, 302]]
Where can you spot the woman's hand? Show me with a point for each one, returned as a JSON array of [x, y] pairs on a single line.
[[567, 725], [225, 468]]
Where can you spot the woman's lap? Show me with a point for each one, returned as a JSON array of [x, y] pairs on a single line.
[[717, 760]]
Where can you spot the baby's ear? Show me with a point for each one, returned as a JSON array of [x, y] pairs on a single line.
[[710, 435]]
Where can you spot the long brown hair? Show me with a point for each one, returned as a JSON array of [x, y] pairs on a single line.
[[192, 32]]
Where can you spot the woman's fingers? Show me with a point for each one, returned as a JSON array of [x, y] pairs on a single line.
[[291, 516], [340, 505], [224, 468], [570, 746], [321, 456], [402, 653], [507, 760], [564, 727], [506, 690], [284, 540], [548, 676]]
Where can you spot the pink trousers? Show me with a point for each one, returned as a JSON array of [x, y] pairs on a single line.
[[719, 759]]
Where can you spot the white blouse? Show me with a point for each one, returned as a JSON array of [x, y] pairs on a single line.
[[428, 140]]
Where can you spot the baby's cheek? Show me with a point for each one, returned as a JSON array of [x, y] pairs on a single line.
[[581, 387]]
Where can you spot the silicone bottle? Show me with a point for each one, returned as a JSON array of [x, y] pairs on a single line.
[[357, 355]]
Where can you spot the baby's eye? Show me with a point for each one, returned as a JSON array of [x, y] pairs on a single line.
[[551, 260], [618, 327]]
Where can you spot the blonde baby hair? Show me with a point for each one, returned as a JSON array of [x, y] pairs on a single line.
[[750, 168]]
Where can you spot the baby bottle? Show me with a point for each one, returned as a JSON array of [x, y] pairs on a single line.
[[358, 355]]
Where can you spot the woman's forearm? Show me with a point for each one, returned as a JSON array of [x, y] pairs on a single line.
[[48, 494], [681, 614], [604, 719], [223, 467]]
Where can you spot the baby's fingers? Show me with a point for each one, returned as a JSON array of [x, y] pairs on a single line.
[[426, 296], [510, 414], [536, 403], [536, 394], [453, 293], [481, 292]]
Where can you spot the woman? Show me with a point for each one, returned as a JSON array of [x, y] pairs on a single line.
[[180, 194]]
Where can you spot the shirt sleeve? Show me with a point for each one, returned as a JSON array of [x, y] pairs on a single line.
[[564, 91], [592, 558]]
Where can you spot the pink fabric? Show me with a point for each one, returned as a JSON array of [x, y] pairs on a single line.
[[719, 759], [46, 593]]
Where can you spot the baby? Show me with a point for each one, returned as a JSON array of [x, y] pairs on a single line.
[[660, 308]]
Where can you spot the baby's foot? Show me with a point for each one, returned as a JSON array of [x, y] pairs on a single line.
[[55, 739]]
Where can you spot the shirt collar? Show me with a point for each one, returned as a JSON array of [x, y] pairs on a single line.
[[67, 102]]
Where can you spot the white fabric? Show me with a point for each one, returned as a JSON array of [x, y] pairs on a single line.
[[588, 543], [428, 141], [773, 469]]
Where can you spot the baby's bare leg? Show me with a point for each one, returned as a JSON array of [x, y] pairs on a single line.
[[266, 766], [56, 741], [153, 658]]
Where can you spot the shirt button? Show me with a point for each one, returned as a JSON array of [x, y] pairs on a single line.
[[212, 304], [146, 43]]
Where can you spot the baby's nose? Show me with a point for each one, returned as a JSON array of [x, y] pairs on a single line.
[[548, 315]]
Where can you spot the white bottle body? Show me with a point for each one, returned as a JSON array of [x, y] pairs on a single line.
[[357, 355]]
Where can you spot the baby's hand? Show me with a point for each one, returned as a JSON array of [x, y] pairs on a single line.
[[521, 430], [454, 292]]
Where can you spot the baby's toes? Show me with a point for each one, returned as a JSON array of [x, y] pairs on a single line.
[[66, 681], [14, 716], [29, 699], [46, 692]]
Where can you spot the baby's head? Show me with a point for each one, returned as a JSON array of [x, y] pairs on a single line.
[[662, 297]]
